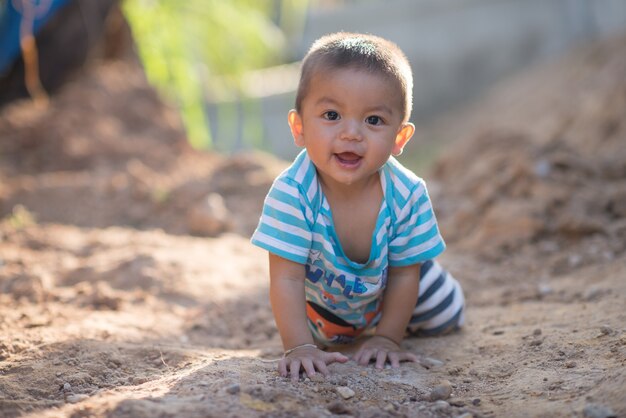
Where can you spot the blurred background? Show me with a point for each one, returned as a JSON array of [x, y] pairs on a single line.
[[231, 67]]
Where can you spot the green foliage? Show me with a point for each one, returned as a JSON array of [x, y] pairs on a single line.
[[197, 47], [21, 217]]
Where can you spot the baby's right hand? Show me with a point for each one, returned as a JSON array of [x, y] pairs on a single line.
[[309, 358]]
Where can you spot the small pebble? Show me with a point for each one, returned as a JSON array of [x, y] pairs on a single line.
[[593, 293], [574, 260], [570, 364], [598, 411], [317, 377], [345, 392], [544, 290], [542, 168], [233, 389], [67, 387], [339, 408], [389, 407], [476, 402], [429, 363], [535, 343], [75, 398], [441, 392], [441, 405], [537, 332], [606, 330]]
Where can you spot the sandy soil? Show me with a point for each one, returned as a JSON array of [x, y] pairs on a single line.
[[128, 287]]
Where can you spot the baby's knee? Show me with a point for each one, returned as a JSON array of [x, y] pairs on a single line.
[[441, 307], [439, 326]]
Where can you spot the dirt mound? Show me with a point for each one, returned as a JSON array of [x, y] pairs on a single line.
[[545, 165], [109, 152]]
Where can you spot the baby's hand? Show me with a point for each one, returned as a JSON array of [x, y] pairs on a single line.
[[310, 358], [381, 350]]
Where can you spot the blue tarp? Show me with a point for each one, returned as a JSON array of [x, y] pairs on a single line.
[[10, 26]]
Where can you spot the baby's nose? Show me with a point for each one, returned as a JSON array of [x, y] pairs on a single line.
[[351, 130]]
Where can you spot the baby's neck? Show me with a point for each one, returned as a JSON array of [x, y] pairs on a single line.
[[354, 214], [354, 192]]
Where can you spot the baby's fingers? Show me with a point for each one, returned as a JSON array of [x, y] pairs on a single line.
[[364, 356], [405, 356], [333, 357], [321, 367], [394, 359], [309, 368], [381, 357], [282, 367], [294, 368]]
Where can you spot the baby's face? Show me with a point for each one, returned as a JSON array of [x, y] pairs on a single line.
[[350, 121]]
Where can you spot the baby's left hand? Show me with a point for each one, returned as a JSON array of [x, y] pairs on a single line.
[[381, 350]]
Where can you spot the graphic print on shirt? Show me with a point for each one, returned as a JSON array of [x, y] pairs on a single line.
[[348, 286], [332, 328], [332, 296]]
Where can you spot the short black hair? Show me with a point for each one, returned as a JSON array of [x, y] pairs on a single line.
[[359, 51]]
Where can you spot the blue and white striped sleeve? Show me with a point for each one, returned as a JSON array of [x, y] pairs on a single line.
[[283, 227], [416, 236]]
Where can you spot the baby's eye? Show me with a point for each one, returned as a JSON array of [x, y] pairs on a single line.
[[374, 120], [331, 115]]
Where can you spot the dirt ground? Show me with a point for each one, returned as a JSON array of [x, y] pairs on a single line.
[[128, 287]]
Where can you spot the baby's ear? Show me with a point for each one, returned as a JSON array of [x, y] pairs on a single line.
[[295, 124], [402, 137]]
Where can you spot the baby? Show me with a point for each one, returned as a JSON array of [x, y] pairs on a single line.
[[351, 233]]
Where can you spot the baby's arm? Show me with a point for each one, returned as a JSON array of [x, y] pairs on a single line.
[[398, 305], [289, 307]]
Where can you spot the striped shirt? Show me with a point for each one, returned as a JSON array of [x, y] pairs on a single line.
[[297, 224]]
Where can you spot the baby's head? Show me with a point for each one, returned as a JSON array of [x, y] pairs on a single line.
[[361, 52]]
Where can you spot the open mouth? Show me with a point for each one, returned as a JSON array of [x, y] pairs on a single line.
[[348, 159]]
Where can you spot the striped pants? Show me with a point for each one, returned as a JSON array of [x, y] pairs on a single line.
[[440, 305]]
